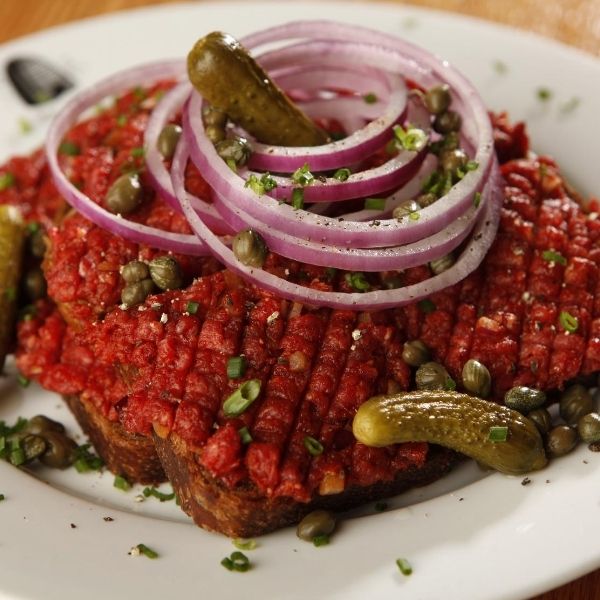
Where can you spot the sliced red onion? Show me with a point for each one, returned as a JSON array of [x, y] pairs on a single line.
[[77, 105]]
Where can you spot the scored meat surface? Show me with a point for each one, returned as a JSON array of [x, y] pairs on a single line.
[[160, 369]]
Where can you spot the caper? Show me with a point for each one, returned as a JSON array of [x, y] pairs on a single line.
[[426, 199], [168, 140], [438, 99], [439, 265], [542, 419], [124, 195], [40, 424], [33, 446], [453, 160], [476, 378], [136, 292], [60, 452], [405, 208], [166, 273], [524, 399], [250, 248], [575, 402], [561, 440], [37, 243], [235, 149], [136, 270], [432, 376], [316, 523], [213, 116], [415, 353], [214, 133], [35, 284], [447, 122], [588, 428]]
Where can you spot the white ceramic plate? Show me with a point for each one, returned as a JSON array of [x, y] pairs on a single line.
[[467, 536]]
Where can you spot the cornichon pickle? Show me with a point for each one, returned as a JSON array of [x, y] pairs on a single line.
[[231, 80], [464, 423], [12, 237]]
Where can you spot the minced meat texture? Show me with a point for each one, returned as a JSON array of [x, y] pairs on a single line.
[[158, 368]]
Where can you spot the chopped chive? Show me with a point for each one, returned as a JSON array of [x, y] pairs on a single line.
[[498, 434], [370, 98], [2, 497], [568, 322], [244, 544], [500, 67], [69, 148], [298, 198], [313, 446], [472, 165], [450, 384], [242, 398], [427, 306], [236, 561], [412, 139], [137, 152], [404, 566], [17, 456], [86, 461], [232, 164], [23, 381], [477, 199], [320, 540], [25, 125], [259, 186], [302, 176], [7, 180], [342, 174], [121, 483], [357, 281], [152, 491], [570, 105], [245, 435], [544, 94], [192, 307], [414, 215], [139, 92], [236, 367], [148, 552], [268, 182], [554, 257], [374, 203], [121, 120]]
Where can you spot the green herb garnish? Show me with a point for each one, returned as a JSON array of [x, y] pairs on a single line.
[[342, 174], [121, 483], [412, 139], [570, 105], [414, 215], [544, 94], [302, 176], [314, 447], [370, 98], [2, 497], [242, 398], [192, 307], [500, 67], [477, 199], [237, 561], [7, 180], [69, 148], [320, 540], [374, 203], [25, 125], [298, 198], [244, 544], [86, 461], [148, 552], [554, 257], [236, 367], [245, 435], [568, 322], [23, 381], [404, 566], [498, 434], [357, 281], [427, 306], [138, 152], [152, 491]]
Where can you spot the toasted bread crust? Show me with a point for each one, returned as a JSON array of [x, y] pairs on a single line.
[[132, 456], [247, 513]]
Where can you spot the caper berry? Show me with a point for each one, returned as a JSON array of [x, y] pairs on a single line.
[[214, 133], [60, 452], [37, 243], [524, 399], [426, 199], [136, 292], [561, 440], [439, 265], [432, 376], [542, 419], [136, 270], [33, 446], [405, 208], [438, 99], [235, 149], [415, 353], [476, 378], [35, 284], [250, 248], [124, 195], [447, 122], [575, 402], [213, 116], [453, 160], [39, 424], [316, 523], [168, 140], [166, 273], [588, 428]]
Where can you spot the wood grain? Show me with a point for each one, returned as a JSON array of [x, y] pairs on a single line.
[[575, 22]]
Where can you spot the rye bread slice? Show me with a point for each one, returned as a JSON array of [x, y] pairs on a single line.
[[246, 512], [132, 456]]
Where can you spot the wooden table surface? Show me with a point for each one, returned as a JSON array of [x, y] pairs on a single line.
[[575, 22]]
